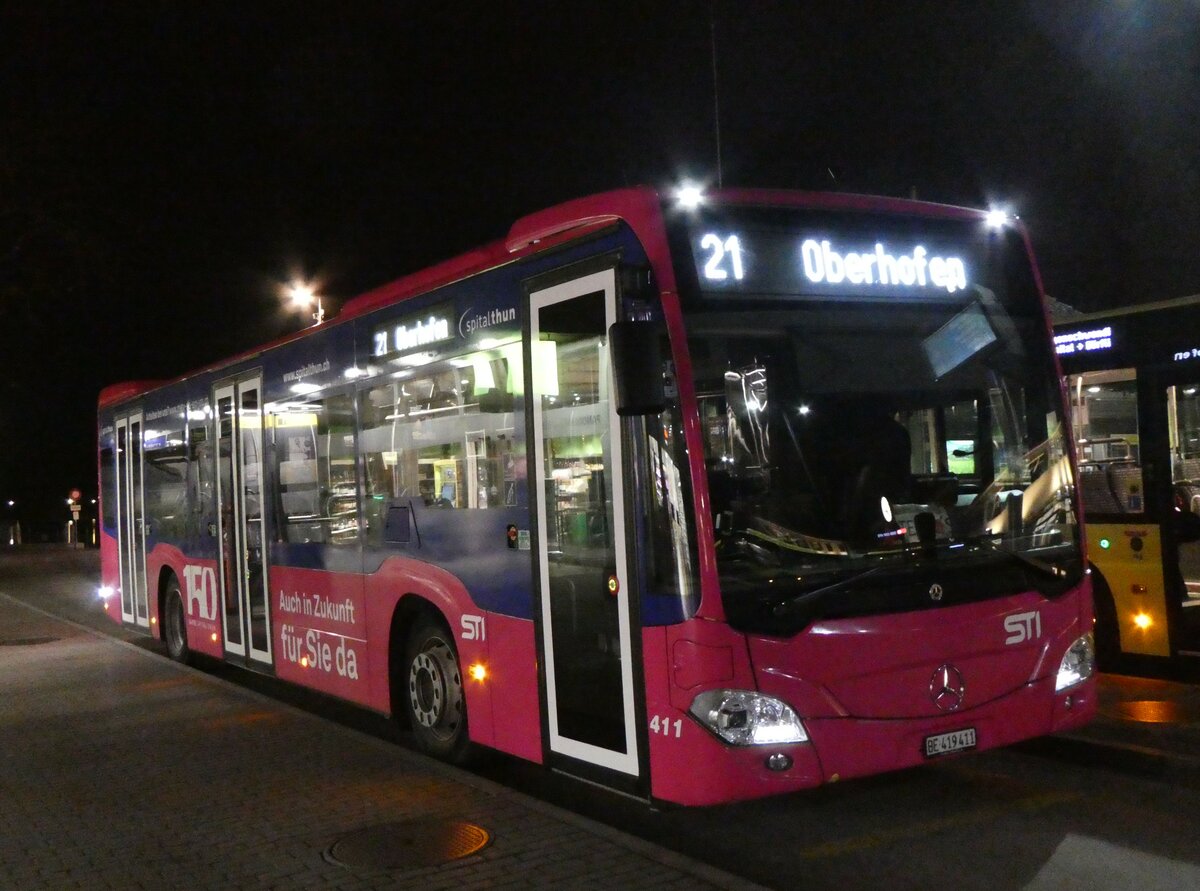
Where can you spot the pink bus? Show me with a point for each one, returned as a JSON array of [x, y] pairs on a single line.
[[701, 500]]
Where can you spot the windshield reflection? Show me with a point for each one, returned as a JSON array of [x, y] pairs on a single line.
[[839, 441]]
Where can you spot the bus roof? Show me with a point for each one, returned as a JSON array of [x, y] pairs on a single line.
[[640, 207], [1173, 303]]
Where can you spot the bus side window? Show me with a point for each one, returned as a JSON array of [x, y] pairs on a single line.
[[164, 483], [445, 440], [108, 487], [318, 486], [1107, 441]]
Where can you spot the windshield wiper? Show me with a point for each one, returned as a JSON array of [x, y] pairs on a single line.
[[793, 604], [1047, 569]]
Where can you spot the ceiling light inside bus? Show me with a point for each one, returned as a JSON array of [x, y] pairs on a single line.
[[746, 718]]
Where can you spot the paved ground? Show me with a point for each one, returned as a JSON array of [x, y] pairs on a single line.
[[1145, 726], [120, 769]]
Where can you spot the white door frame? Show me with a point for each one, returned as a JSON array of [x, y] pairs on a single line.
[[626, 762], [239, 540], [131, 520]]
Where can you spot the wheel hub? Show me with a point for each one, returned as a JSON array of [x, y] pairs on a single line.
[[427, 689]]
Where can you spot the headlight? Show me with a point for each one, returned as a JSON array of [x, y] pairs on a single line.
[[744, 718], [1078, 664], [104, 592]]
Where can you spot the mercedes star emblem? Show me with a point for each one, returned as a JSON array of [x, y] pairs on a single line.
[[947, 688], [935, 591]]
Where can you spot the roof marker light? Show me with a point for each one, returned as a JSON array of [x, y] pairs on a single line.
[[997, 219], [689, 196]]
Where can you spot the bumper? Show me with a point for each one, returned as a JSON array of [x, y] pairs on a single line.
[[700, 770], [850, 747]]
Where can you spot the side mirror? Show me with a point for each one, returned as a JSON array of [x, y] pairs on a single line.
[[635, 348]]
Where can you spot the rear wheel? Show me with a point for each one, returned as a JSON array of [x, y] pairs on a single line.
[[434, 700], [175, 624]]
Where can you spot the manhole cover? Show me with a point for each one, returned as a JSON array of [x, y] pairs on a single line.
[[26, 641], [1156, 711], [411, 844]]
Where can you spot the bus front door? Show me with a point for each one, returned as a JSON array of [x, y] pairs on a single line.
[[240, 526], [586, 603], [131, 525], [1183, 435]]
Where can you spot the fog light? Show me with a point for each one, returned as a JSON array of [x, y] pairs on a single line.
[[779, 761]]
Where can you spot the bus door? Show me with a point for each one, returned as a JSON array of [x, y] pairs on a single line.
[[586, 613], [1114, 429], [240, 526], [1183, 438], [131, 526]]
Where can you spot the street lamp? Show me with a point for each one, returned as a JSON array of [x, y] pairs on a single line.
[[304, 296], [13, 527]]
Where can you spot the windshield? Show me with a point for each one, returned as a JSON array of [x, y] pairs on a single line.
[[865, 440]]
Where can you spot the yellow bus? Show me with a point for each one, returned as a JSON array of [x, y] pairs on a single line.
[[1133, 380]]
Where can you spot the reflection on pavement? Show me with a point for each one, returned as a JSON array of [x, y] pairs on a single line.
[[1080, 862]]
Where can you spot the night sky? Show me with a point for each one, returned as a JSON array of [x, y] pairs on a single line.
[[164, 167]]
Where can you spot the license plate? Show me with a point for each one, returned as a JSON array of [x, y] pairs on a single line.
[[946, 743]]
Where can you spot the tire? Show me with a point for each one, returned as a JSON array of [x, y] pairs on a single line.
[[1108, 633], [174, 627], [433, 693]]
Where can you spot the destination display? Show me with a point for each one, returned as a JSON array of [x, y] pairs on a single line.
[[771, 254], [1084, 340], [414, 332]]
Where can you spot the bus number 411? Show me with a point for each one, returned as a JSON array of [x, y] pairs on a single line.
[[665, 726]]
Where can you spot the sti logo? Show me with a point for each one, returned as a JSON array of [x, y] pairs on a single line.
[[473, 628], [201, 593], [1022, 627]]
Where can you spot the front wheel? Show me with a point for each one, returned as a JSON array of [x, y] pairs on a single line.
[[1108, 632], [175, 624], [434, 700]]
